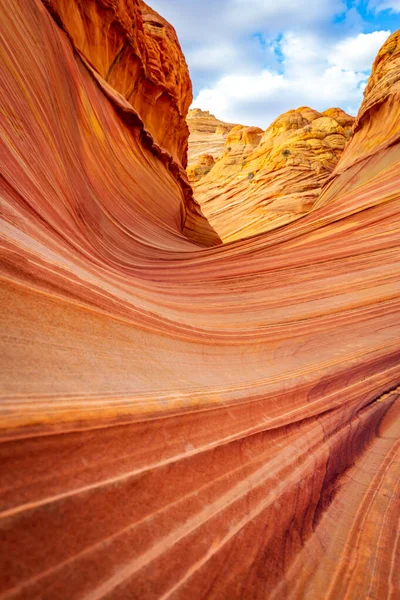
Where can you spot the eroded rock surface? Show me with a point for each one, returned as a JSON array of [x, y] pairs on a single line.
[[177, 420], [207, 135], [202, 166], [265, 181]]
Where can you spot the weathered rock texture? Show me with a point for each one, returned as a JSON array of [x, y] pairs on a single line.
[[137, 53], [179, 421], [207, 135], [262, 182], [203, 165], [134, 56]]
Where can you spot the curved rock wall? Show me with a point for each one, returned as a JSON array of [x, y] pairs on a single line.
[[377, 126], [137, 52], [179, 421]]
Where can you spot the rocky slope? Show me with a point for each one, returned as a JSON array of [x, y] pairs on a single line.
[[262, 182], [239, 142], [177, 420], [207, 135]]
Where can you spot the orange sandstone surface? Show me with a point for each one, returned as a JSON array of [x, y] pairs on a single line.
[[207, 135], [203, 165], [180, 418], [264, 181], [207, 142]]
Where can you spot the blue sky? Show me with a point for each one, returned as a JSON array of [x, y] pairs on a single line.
[[251, 60]]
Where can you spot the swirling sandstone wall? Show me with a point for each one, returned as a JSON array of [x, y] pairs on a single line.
[[180, 420]]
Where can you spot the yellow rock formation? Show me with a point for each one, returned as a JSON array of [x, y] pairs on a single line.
[[264, 181], [207, 135], [203, 165]]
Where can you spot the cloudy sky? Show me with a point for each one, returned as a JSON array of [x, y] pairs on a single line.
[[251, 60]]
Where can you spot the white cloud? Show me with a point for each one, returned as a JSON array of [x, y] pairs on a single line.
[[222, 57], [195, 20], [381, 5], [209, 57], [251, 60], [358, 53], [314, 74], [259, 99], [207, 27]]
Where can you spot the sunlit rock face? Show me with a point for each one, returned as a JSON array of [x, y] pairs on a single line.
[[238, 143], [377, 126], [201, 167], [208, 140], [135, 57], [207, 135], [264, 181], [176, 420]]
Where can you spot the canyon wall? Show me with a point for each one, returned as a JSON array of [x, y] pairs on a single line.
[[181, 418]]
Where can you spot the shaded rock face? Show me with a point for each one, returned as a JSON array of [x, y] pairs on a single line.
[[264, 181], [207, 135], [137, 53], [177, 420], [134, 55]]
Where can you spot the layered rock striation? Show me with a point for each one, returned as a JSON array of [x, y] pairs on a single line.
[[264, 181], [137, 53], [177, 419], [135, 57], [207, 135]]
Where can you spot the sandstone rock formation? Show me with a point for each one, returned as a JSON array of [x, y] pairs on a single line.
[[137, 53], [377, 124], [203, 165], [139, 60], [261, 183], [207, 135], [176, 420], [239, 143]]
